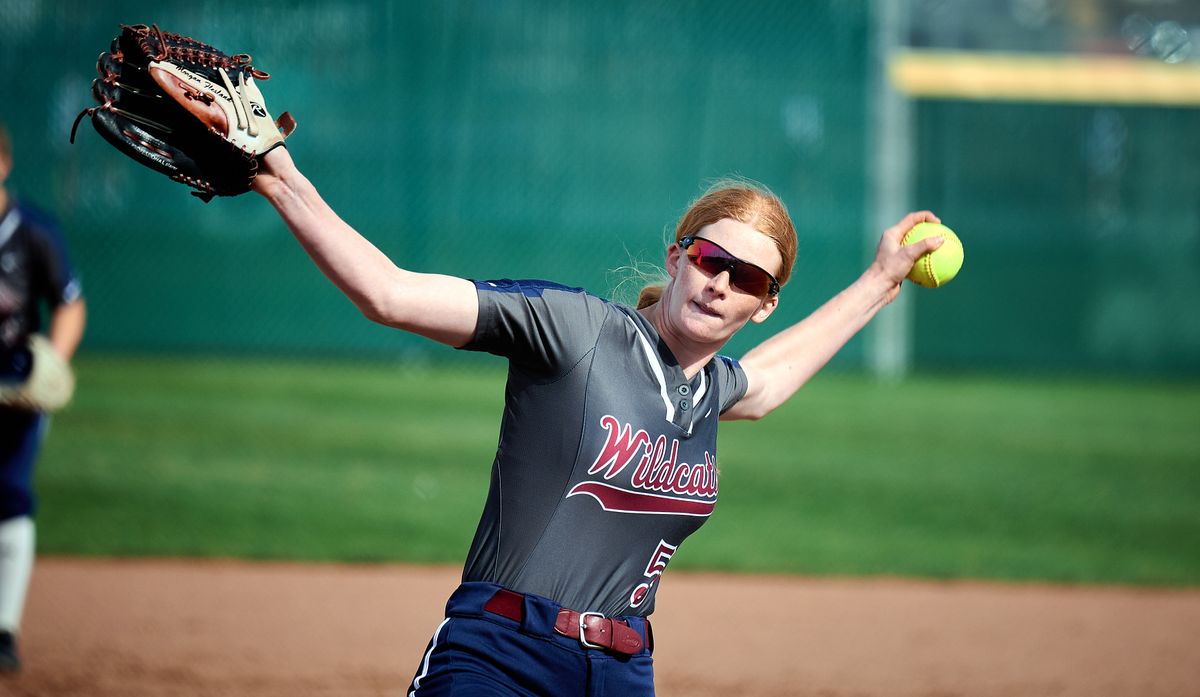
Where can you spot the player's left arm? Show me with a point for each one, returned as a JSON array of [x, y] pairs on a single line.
[[779, 366], [59, 286], [67, 322]]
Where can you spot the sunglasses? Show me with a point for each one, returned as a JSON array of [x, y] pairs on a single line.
[[712, 259]]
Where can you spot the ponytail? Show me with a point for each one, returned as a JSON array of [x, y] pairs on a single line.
[[650, 295]]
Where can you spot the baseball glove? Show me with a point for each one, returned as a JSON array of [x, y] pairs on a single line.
[[50, 383], [183, 108]]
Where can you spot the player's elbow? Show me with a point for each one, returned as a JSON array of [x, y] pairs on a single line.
[[385, 301], [376, 307], [373, 312]]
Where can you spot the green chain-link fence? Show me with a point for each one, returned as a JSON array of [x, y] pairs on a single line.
[[561, 139]]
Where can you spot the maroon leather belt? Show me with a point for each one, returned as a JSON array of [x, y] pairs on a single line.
[[592, 629]]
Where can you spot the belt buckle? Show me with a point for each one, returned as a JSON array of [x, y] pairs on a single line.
[[583, 627]]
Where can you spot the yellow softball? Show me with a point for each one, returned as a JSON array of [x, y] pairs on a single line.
[[936, 268]]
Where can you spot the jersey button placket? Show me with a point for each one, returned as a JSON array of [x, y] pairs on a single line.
[[684, 406]]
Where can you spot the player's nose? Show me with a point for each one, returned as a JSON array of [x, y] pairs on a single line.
[[719, 282]]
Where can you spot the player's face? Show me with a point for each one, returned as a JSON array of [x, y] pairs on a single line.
[[709, 307]]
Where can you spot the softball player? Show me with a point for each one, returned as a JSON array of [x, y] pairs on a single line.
[[607, 453], [33, 269]]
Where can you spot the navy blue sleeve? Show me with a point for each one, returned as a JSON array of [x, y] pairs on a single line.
[[539, 325], [55, 277]]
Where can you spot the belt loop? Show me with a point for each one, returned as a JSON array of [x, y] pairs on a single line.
[[529, 616]]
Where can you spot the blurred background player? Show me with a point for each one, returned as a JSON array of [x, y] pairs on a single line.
[[35, 277]]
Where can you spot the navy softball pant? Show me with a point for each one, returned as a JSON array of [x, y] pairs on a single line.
[[20, 439], [477, 653]]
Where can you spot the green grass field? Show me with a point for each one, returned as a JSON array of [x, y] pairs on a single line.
[[1060, 480]]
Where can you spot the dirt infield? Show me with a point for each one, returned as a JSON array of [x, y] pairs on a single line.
[[185, 629]]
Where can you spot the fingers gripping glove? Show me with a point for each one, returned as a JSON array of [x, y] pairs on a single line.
[[184, 108], [49, 385]]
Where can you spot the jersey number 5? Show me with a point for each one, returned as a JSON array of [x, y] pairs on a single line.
[[658, 563]]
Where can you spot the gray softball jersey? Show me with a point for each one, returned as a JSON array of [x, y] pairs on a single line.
[[607, 452]]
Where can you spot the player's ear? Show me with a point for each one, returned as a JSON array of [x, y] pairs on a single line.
[[674, 254], [765, 309]]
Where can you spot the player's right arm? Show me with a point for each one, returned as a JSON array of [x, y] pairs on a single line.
[[439, 307]]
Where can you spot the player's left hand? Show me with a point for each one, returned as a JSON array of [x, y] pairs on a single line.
[[894, 260], [50, 382]]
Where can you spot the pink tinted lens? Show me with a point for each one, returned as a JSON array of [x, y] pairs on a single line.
[[712, 259]]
